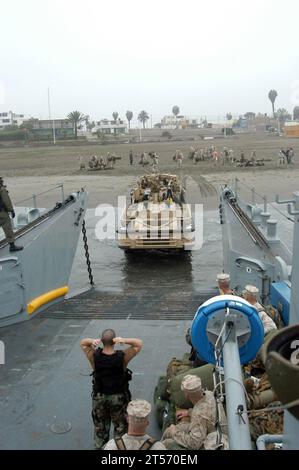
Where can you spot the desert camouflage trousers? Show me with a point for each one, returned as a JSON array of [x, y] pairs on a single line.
[[171, 444], [107, 409]]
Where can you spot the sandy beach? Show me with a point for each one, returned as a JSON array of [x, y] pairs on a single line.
[[32, 170]]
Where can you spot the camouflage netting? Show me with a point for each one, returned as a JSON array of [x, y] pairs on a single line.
[[266, 422]]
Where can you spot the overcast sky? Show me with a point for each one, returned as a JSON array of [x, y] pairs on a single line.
[[208, 57]]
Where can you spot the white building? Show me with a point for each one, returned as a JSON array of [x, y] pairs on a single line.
[[8, 118], [110, 127], [178, 122]]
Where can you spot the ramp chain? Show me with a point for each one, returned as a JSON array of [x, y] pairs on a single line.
[[86, 248]]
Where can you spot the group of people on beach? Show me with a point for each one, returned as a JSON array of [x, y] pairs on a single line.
[[226, 156], [286, 157]]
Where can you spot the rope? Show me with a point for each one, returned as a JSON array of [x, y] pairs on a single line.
[[39, 194], [288, 406], [233, 380]]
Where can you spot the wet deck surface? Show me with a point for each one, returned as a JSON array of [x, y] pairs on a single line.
[[46, 377]]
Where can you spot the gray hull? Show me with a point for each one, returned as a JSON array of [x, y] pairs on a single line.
[[41, 271]]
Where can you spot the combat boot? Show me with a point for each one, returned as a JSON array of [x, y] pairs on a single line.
[[14, 247]]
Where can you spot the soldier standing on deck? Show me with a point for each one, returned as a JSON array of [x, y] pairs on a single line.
[[6, 208], [111, 394]]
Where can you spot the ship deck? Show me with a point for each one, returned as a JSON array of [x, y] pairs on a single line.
[[45, 383]]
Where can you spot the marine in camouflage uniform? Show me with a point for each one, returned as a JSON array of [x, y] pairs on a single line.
[[6, 208], [136, 439], [223, 280], [192, 435], [110, 395], [250, 294]]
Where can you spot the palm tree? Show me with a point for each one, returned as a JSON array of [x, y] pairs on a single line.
[[283, 115], [115, 115], [176, 110], [129, 116], [272, 95], [76, 117], [296, 113], [249, 115], [143, 117]]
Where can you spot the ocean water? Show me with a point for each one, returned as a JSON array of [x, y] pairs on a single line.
[[196, 271]]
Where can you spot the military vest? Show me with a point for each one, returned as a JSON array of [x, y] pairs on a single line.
[[110, 377], [2, 205]]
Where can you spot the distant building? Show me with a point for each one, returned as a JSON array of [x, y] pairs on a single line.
[[43, 128], [110, 127], [178, 122], [8, 118], [291, 129]]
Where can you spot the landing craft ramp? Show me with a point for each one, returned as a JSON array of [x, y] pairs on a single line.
[[45, 384], [139, 305], [252, 250], [39, 274]]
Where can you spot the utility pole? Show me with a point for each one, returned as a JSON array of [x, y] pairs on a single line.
[[53, 123]]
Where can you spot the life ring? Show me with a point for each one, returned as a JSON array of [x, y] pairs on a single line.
[[212, 312]]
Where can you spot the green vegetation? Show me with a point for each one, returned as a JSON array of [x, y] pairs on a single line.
[[129, 116], [76, 117], [272, 95], [143, 117], [115, 115], [13, 135]]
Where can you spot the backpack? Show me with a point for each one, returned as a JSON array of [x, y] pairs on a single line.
[[147, 445]]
